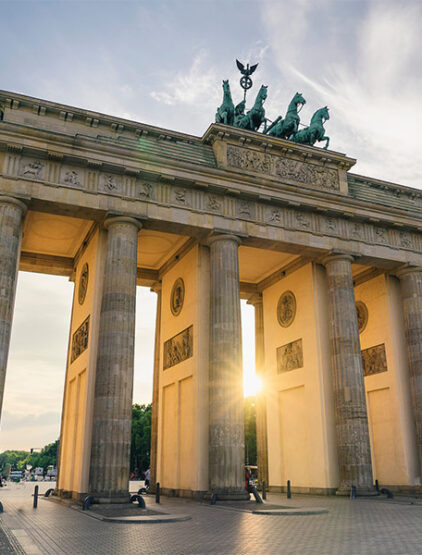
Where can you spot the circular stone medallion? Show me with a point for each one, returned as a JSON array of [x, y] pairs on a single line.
[[362, 311], [83, 284], [286, 309], [177, 297]]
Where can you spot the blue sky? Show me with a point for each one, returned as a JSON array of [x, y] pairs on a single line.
[[162, 63]]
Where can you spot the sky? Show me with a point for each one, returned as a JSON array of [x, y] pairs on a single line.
[[162, 63]]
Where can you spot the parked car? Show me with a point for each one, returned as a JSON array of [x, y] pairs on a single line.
[[15, 476]]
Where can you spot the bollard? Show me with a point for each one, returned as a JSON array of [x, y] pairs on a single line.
[[157, 493], [377, 487], [264, 491], [289, 491], [353, 492], [35, 497], [139, 499], [1, 507]]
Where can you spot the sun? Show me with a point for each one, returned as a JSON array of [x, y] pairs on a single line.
[[252, 384]]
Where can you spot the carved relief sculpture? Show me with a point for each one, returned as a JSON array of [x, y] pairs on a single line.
[[286, 309], [374, 360], [177, 297], [71, 178], [178, 348], [292, 170], [83, 284], [33, 169], [290, 356], [145, 191], [362, 312], [80, 340]]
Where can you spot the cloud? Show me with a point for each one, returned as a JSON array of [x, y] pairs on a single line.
[[372, 87], [191, 87]]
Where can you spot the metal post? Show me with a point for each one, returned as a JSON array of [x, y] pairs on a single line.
[[264, 490], [377, 487], [157, 493], [35, 497], [289, 492]]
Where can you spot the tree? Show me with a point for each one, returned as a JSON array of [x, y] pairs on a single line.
[[250, 430], [141, 439]]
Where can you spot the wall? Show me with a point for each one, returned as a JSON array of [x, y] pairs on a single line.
[[182, 459], [394, 458], [75, 438], [300, 414]]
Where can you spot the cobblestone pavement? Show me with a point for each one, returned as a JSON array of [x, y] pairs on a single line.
[[361, 526]]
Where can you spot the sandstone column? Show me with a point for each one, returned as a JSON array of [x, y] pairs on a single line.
[[12, 213], [112, 419], [353, 445], [227, 443], [261, 408], [155, 389], [411, 289]]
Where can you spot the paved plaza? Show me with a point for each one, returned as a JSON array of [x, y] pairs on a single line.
[[350, 526]]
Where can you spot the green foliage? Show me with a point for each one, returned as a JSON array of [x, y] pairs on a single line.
[[19, 459], [141, 439], [250, 430]]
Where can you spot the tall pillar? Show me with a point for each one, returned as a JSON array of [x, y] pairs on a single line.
[[261, 408], [155, 389], [112, 418], [227, 442], [12, 213], [354, 453], [411, 290]]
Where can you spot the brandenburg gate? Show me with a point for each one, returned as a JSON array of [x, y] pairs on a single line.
[[331, 261]]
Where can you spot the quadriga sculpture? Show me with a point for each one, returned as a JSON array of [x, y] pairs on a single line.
[[225, 113], [315, 132], [285, 128], [253, 119]]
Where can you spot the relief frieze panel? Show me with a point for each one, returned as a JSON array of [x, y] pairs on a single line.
[[290, 356], [287, 169], [178, 348], [72, 177], [32, 168], [181, 196], [146, 191], [80, 340], [110, 183], [374, 360]]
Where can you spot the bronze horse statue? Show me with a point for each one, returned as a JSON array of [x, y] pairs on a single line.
[[285, 128], [315, 132], [225, 113], [253, 119]]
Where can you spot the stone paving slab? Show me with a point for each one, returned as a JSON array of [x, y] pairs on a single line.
[[358, 527]]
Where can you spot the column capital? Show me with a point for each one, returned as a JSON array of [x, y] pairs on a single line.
[[333, 256], [407, 269], [111, 220], [223, 237], [15, 201], [156, 287], [255, 300]]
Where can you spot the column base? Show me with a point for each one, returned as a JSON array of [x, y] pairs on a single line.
[[346, 491], [225, 494], [106, 498]]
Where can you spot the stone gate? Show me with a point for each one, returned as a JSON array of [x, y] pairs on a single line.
[[331, 261]]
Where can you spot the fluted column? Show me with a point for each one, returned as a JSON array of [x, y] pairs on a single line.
[[411, 290], [155, 389], [12, 213], [112, 420], [227, 442], [353, 445], [261, 408]]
